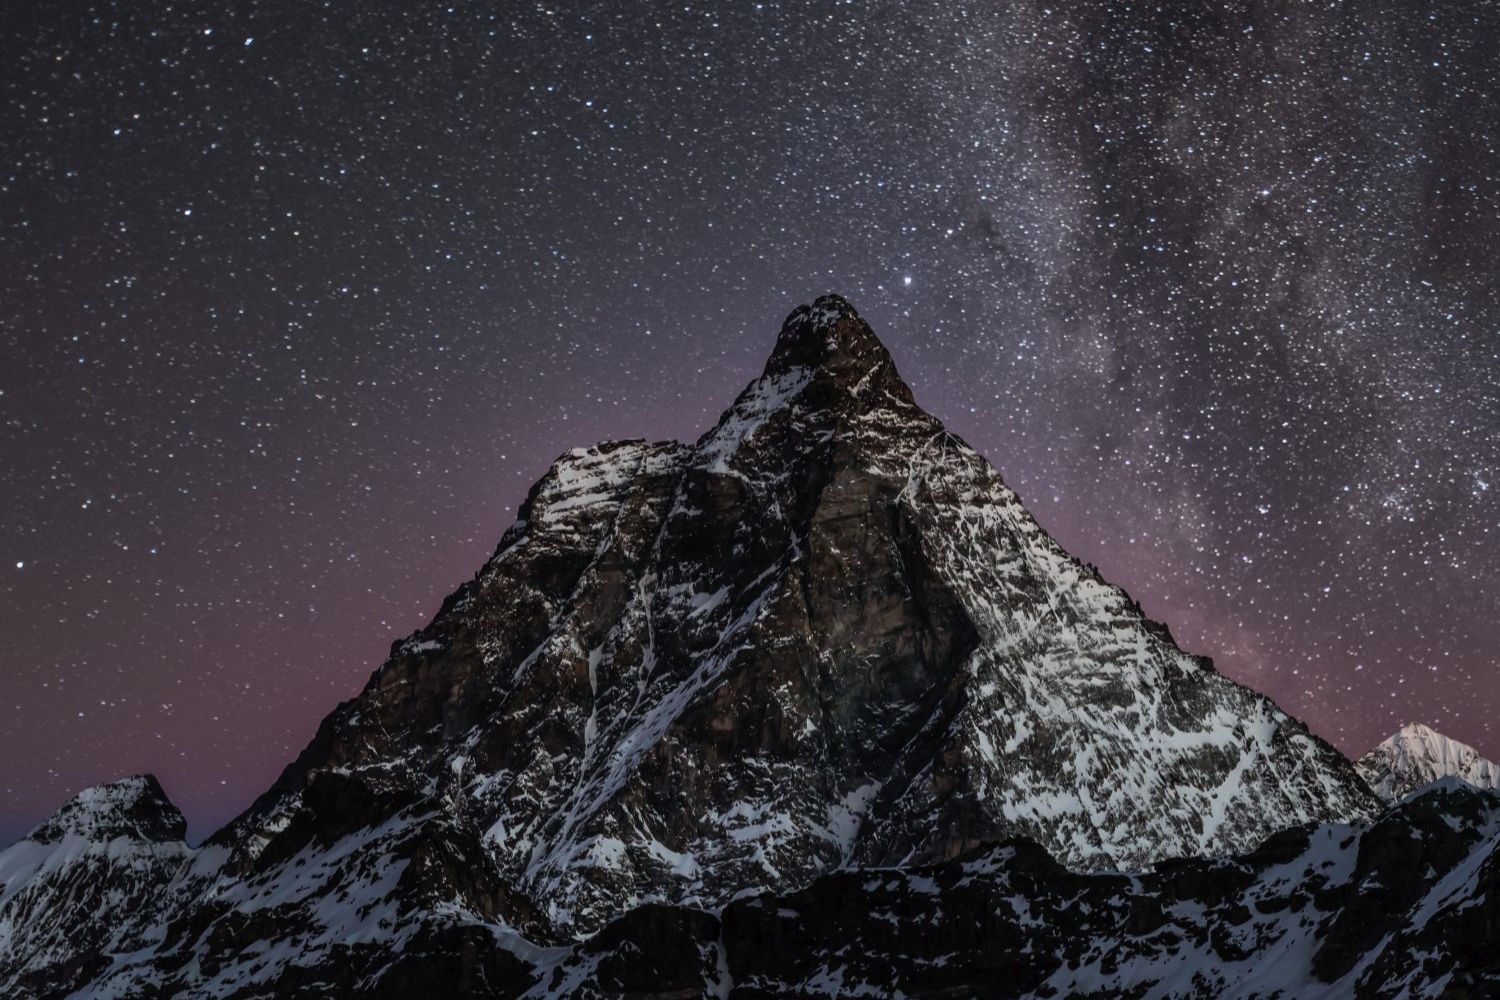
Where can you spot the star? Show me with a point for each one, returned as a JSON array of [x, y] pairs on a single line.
[[313, 284]]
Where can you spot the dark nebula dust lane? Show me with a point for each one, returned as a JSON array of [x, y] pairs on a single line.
[[296, 300]]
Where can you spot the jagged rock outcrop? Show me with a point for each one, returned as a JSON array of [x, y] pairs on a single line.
[[1416, 756], [826, 635]]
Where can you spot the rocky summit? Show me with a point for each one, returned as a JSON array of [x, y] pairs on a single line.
[[821, 651]]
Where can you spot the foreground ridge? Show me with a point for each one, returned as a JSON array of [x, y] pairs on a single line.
[[1404, 907], [826, 635]]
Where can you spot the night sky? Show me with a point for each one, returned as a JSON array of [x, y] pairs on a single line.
[[297, 299]]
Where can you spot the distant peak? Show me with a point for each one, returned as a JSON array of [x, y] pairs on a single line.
[[1421, 733], [831, 337], [1416, 755], [134, 807]]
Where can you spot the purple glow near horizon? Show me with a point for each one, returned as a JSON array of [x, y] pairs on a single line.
[[289, 327]]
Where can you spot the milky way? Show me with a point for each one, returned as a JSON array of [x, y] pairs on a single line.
[[296, 301]]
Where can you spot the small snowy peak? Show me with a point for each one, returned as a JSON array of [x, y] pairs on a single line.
[[1416, 756], [134, 807], [94, 879], [750, 412]]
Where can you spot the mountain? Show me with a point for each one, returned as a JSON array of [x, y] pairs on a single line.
[[1416, 756], [71, 893], [1405, 907], [827, 633], [825, 636]]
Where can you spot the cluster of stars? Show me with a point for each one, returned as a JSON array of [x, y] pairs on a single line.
[[297, 302]]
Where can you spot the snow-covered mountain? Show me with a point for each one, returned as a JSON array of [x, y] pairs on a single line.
[[81, 886], [1416, 755], [827, 635]]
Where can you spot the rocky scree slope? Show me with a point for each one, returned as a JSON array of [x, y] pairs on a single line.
[[826, 635]]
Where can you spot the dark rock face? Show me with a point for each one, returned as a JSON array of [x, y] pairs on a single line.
[[826, 635]]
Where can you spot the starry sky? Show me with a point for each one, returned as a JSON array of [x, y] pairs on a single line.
[[297, 299]]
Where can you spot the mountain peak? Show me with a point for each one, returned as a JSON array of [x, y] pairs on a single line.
[[1417, 755], [833, 339], [135, 807], [1416, 729]]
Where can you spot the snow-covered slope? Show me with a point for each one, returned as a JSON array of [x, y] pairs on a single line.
[[1416, 756], [825, 635]]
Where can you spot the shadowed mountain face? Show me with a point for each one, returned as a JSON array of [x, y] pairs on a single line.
[[826, 635]]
